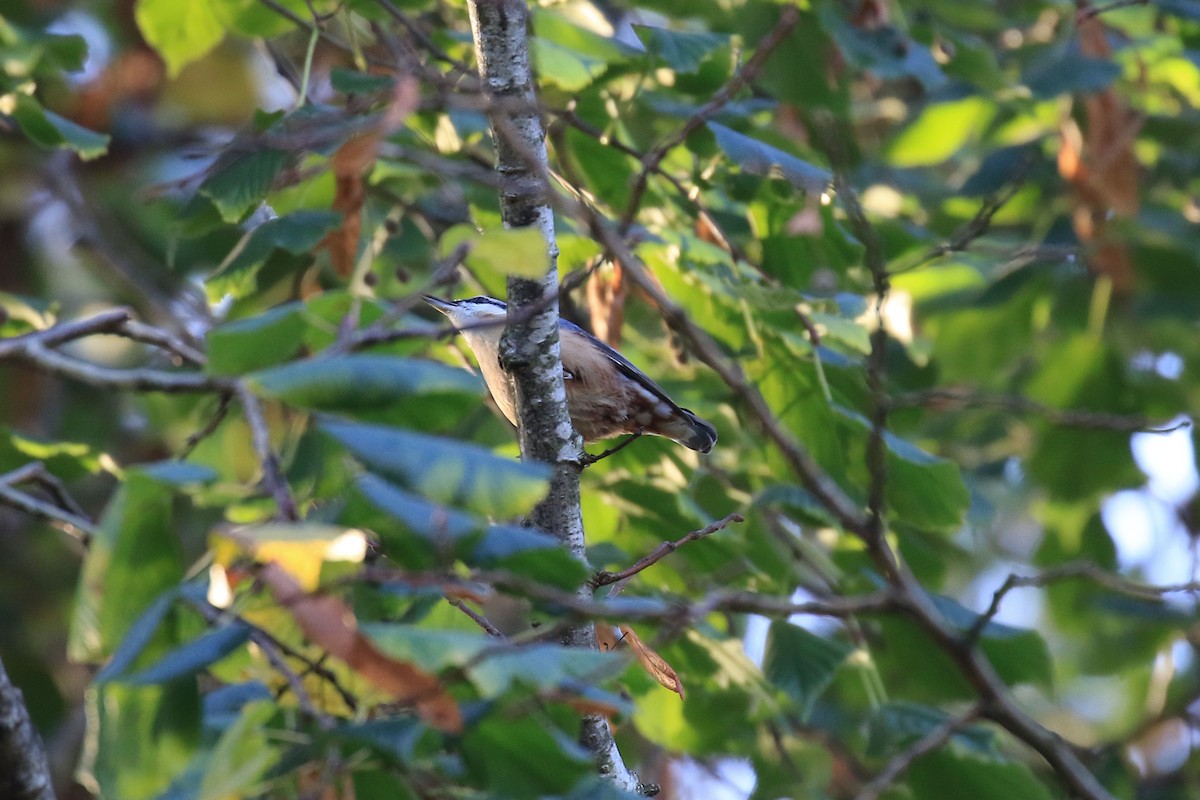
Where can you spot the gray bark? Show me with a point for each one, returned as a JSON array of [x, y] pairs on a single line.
[[24, 771], [529, 349]]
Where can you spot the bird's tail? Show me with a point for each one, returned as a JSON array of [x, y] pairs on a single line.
[[689, 430]]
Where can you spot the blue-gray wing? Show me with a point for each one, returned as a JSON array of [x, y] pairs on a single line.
[[623, 364]]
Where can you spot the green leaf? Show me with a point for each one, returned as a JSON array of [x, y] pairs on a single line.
[[895, 726], [682, 51], [249, 344], [138, 637], [296, 233], [499, 252], [940, 131], [570, 56], [517, 756], [242, 756], [571, 71], [140, 737], [946, 773], [429, 520], [134, 559], [801, 663], [179, 474], [444, 470], [431, 650], [1020, 655], [48, 129], [180, 32], [1069, 73], [882, 49], [349, 81], [760, 158], [362, 382], [529, 552], [240, 180], [1073, 464], [192, 657], [542, 666], [253, 18], [922, 490]]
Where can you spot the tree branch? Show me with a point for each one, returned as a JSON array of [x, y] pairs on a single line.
[[789, 16], [260, 436], [662, 551], [928, 743], [24, 771], [529, 349], [943, 397]]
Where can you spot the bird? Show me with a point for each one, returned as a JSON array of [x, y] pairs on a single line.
[[606, 394]]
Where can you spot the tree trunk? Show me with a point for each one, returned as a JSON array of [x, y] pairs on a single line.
[[529, 349], [24, 772]]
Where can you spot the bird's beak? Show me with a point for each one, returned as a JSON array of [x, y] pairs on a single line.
[[441, 305]]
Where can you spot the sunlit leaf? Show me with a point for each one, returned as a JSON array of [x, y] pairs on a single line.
[[940, 131], [180, 33]]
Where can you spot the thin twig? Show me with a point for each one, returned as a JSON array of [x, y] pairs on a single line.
[[789, 16], [260, 436], [478, 618], [209, 427], [148, 334], [79, 527], [604, 578], [36, 472], [575, 605], [588, 458], [931, 741], [269, 643], [942, 397], [1075, 571]]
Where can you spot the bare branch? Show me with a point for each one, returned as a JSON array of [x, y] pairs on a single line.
[[209, 428], [943, 397], [477, 618], [928, 743], [1085, 570], [260, 435], [76, 525], [36, 472], [664, 550], [559, 601], [148, 334]]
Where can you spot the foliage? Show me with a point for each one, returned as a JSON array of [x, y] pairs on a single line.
[[926, 266]]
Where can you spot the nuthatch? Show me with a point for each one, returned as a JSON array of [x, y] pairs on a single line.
[[606, 395]]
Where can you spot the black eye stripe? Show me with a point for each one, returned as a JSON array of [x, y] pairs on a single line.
[[485, 300]]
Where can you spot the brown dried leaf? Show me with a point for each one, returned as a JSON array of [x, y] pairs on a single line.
[[350, 164], [330, 624], [606, 302], [1101, 167], [655, 664]]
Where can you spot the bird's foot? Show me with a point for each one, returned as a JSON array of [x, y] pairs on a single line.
[[588, 459]]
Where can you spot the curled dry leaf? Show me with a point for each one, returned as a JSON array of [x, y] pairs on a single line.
[[653, 663], [330, 624]]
